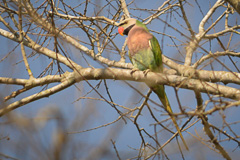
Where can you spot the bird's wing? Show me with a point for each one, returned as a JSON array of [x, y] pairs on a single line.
[[155, 47]]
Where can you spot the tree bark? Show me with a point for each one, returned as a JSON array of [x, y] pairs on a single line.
[[235, 4]]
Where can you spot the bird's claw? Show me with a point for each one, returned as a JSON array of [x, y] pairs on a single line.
[[134, 70], [145, 72]]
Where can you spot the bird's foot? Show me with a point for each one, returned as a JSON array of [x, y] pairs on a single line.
[[145, 72], [134, 70]]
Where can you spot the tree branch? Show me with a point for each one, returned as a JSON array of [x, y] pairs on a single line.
[[205, 75], [194, 43], [124, 8], [235, 4], [46, 93]]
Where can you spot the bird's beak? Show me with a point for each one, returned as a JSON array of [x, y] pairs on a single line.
[[120, 30]]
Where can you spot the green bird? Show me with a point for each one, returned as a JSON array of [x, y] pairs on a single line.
[[145, 54]]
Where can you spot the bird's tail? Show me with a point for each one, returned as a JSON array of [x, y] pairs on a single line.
[[160, 91]]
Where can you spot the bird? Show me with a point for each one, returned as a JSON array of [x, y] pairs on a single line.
[[146, 55]]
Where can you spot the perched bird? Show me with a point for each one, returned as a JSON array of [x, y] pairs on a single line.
[[145, 54]]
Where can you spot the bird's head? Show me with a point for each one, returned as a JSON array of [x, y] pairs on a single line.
[[125, 26]]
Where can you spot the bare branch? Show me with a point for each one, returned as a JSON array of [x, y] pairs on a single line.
[[124, 8], [66, 83], [63, 43], [235, 4]]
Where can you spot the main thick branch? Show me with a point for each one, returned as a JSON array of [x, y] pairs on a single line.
[[85, 74]]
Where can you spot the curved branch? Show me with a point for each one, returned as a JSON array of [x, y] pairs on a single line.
[[38, 48], [158, 78], [70, 17], [124, 74], [214, 139], [205, 75], [221, 33], [235, 4], [124, 8], [46, 93], [193, 44], [214, 55]]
